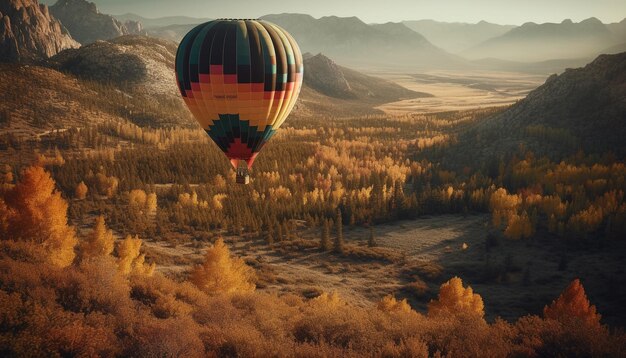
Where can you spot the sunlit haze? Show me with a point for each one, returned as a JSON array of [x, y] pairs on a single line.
[[502, 12]]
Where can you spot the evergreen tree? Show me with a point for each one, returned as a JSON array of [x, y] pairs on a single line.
[[339, 238], [371, 242], [269, 237], [325, 236]]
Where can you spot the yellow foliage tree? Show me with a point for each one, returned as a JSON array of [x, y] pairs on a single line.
[[573, 304], [519, 227], [100, 242], [130, 259], [35, 211], [390, 304], [328, 300], [221, 273], [81, 191], [454, 299]]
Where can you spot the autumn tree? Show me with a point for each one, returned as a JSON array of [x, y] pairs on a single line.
[[222, 273], [338, 247], [34, 210], [81, 191], [130, 259], [391, 304], [100, 242], [573, 304], [456, 299]]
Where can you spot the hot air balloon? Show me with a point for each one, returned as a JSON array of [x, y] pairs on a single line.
[[240, 80]]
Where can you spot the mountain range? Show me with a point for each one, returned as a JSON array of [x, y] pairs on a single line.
[[455, 37], [352, 42], [540, 42]]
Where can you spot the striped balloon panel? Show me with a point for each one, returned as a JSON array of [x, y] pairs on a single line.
[[240, 79]]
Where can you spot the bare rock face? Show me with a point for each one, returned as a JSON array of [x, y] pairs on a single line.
[[28, 33], [87, 25], [325, 76], [128, 62], [134, 27]]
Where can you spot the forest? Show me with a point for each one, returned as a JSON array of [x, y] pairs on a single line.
[[67, 293]]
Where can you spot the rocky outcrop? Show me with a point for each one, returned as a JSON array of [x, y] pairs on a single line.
[[28, 33], [127, 61], [87, 25]]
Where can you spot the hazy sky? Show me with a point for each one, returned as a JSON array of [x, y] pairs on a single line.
[[498, 11]]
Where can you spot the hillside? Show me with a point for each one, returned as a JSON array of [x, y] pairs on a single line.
[[350, 41], [28, 33], [131, 78], [326, 77], [539, 42], [87, 25], [455, 37], [583, 108]]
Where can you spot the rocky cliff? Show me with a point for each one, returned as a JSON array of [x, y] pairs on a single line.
[[28, 33], [87, 25]]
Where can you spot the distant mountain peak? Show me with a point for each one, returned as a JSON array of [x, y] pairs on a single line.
[[592, 20]]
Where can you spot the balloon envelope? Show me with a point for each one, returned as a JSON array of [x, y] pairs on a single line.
[[240, 79]]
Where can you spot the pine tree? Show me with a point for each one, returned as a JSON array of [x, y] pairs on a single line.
[[221, 273], [269, 237], [279, 232], [371, 242], [34, 210], [130, 260], [325, 236], [573, 304], [339, 238], [81, 191], [100, 242]]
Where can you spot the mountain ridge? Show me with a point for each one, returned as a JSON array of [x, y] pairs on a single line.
[[533, 42]]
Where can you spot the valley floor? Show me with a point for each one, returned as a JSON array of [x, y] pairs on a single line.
[[455, 91], [515, 278]]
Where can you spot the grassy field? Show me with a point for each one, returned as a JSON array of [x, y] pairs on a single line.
[[455, 91]]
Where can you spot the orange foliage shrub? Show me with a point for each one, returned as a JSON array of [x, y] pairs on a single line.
[[456, 299], [221, 273]]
